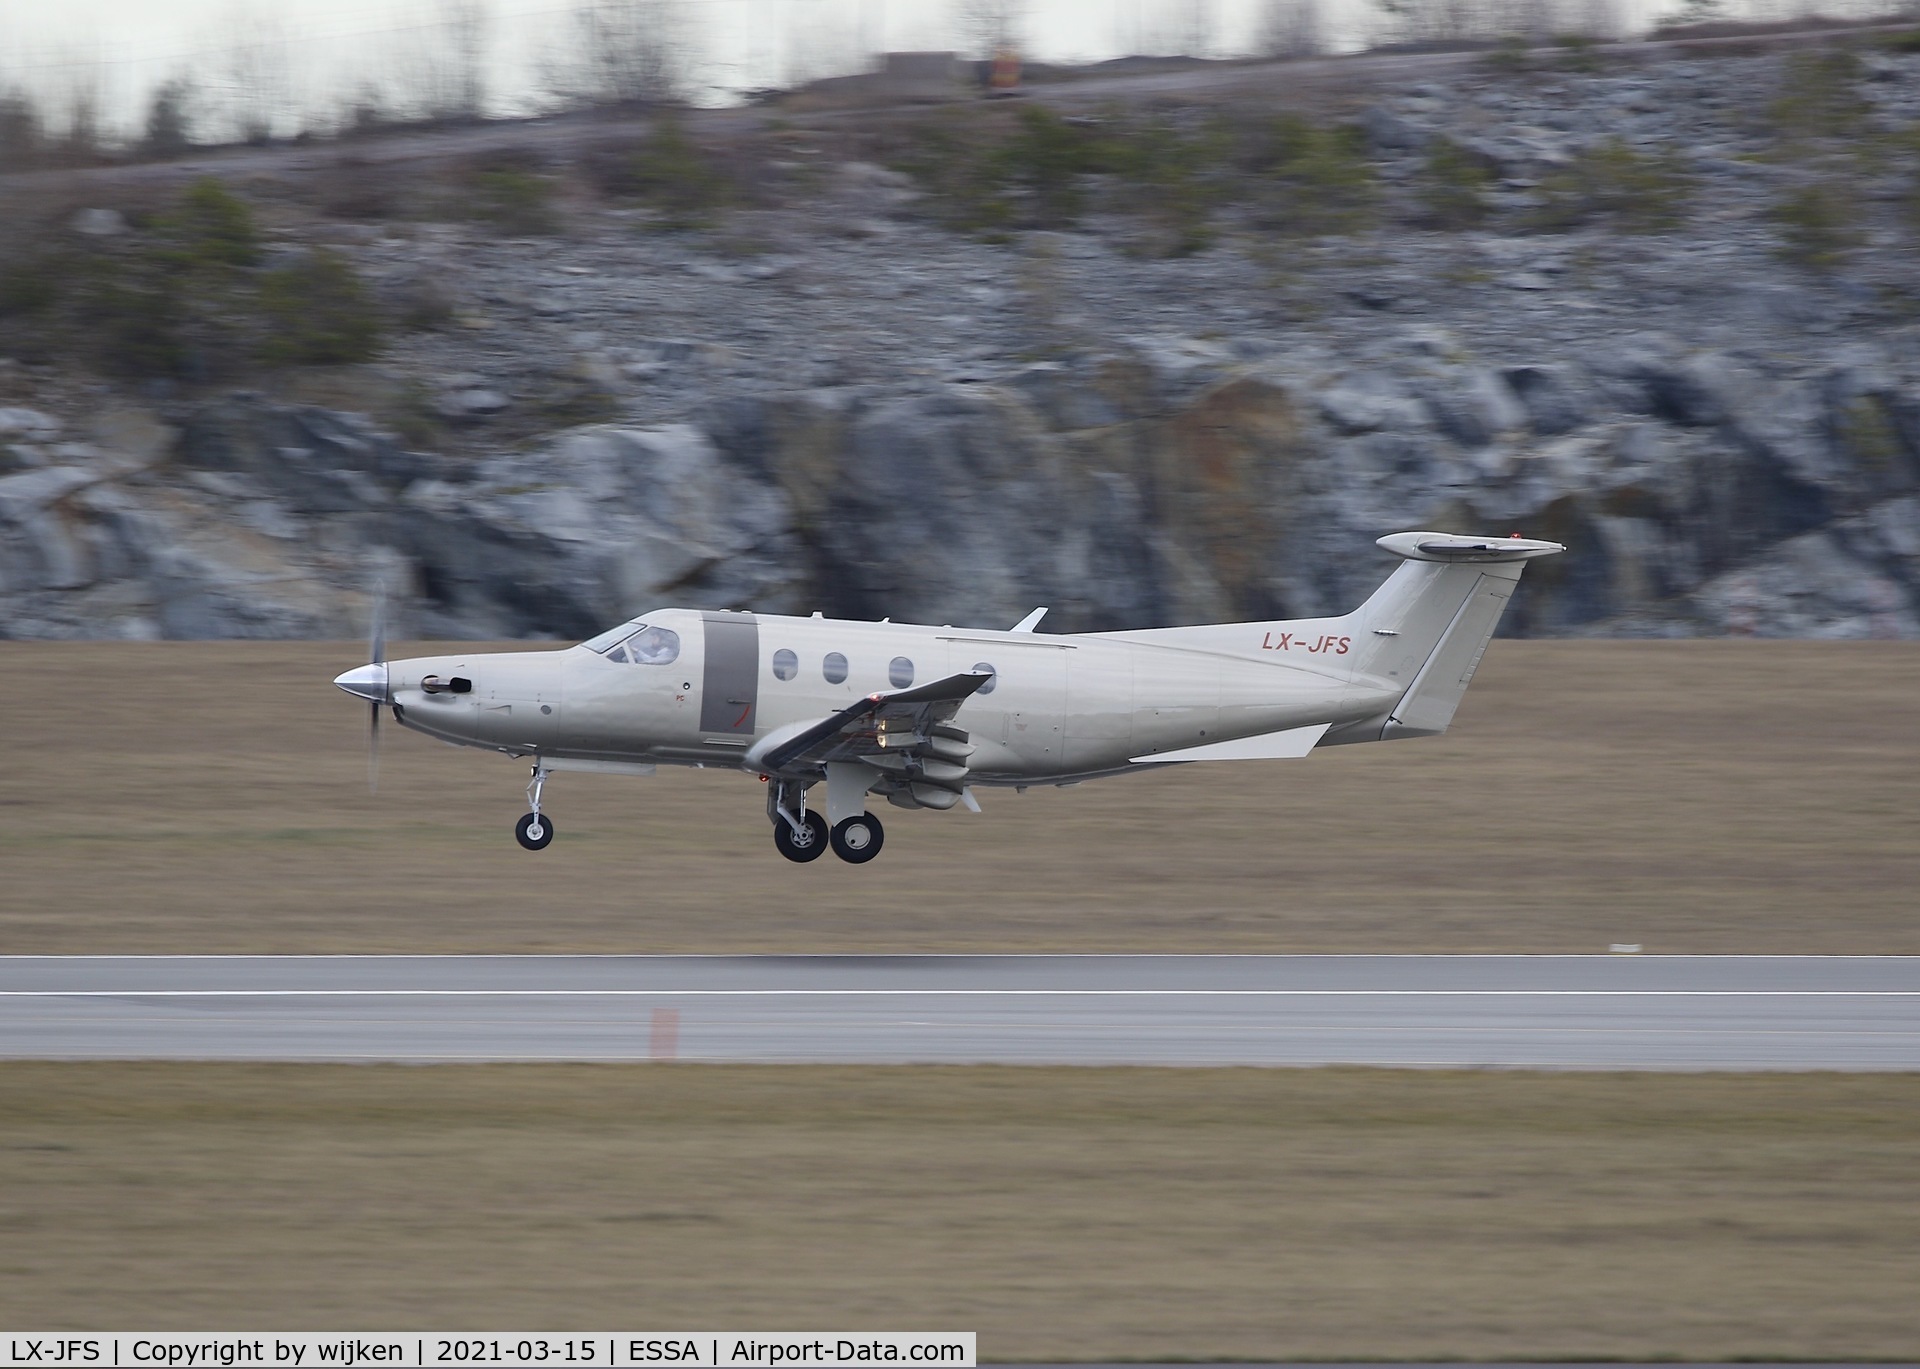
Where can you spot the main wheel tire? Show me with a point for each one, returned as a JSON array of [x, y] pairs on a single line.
[[796, 847], [534, 831], [858, 839]]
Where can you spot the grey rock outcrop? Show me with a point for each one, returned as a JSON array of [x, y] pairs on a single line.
[[872, 416], [1696, 492]]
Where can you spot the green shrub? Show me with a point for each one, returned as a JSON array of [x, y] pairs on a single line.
[[212, 227], [1639, 194], [1170, 176], [1509, 55], [1817, 224], [1578, 52], [30, 284], [1820, 96], [676, 177], [183, 295], [176, 298], [511, 200], [1046, 162], [317, 312], [1453, 186], [1308, 178], [959, 172], [1046, 171], [1865, 428], [138, 320]]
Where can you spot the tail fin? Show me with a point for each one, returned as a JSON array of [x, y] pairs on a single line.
[[1427, 627]]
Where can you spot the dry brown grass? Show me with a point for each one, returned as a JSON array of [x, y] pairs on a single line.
[[1689, 796], [1061, 1213]]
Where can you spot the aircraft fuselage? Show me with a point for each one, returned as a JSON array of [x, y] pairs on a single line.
[[920, 715], [1058, 708]]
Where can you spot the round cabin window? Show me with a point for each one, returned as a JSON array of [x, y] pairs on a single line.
[[785, 664], [834, 667], [900, 672], [993, 676]]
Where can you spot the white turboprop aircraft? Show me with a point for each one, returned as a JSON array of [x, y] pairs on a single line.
[[805, 701]]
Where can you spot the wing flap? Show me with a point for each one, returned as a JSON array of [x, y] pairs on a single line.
[[874, 726]]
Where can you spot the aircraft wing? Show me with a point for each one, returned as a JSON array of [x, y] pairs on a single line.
[[906, 731]]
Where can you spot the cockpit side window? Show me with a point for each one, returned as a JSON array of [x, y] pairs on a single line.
[[654, 646], [648, 646]]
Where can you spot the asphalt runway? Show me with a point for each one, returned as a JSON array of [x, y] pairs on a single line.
[[1552, 1012]]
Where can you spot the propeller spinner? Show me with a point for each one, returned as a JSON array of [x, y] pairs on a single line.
[[369, 682]]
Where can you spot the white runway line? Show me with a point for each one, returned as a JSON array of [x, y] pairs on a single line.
[[959, 993]]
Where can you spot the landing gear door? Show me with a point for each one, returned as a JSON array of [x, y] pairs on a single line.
[[730, 682]]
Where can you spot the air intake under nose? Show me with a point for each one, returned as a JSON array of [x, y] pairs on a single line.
[[365, 681]]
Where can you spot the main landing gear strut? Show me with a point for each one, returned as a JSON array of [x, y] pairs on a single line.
[[801, 833], [535, 830]]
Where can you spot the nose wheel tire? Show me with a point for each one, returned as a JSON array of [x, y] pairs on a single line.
[[858, 839], [810, 843], [534, 831]]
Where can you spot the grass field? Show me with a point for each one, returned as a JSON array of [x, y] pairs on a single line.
[[1061, 1213], [1687, 796]]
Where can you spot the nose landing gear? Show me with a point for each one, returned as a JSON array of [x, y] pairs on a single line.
[[535, 830]]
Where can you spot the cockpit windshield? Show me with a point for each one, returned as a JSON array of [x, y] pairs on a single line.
[[612, 636], [647, 646]]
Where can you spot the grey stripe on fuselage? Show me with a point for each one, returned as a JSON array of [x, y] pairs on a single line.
[[730, 686]]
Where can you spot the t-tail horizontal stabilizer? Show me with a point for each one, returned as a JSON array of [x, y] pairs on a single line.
[[1425, 630], [1446, 547]]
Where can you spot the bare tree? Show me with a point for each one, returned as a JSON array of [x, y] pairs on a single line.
[[1193, 27], [448, 71], [1438, 21], [22, 130], [366, 108], [256, 74], [1290, 28], [623, 52], [990, 26], [74, 133]]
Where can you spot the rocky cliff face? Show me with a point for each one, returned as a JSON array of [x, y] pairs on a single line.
[[1174, 483], [901, 422]]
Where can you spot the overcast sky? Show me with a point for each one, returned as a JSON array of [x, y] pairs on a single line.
[[740, 31], [123, 48]]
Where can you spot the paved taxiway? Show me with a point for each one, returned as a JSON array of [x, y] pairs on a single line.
[[1556, 1012]]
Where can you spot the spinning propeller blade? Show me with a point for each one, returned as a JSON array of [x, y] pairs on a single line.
[[373, 748], [376, 655]]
